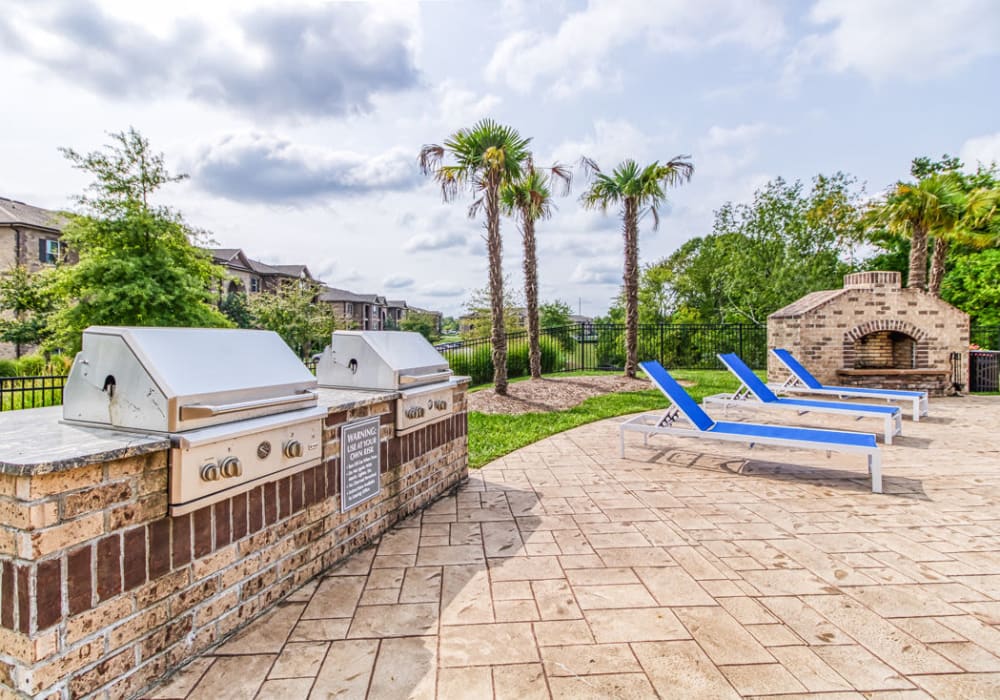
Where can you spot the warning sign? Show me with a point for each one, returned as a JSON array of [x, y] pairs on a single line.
[[359, 463]]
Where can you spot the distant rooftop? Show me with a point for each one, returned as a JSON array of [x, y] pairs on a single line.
[[13, 213]]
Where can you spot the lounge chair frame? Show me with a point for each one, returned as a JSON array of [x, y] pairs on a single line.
[[796, 384], [666, 423], [746, 396]]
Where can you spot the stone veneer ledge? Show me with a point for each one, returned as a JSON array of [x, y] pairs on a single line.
[[102, 593]]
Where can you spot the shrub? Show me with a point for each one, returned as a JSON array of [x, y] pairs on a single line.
[[477, 362], [31, 365], [8, 368], [59, 365]]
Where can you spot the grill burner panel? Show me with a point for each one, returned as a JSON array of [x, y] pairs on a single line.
[[391, 361], [215, 463]]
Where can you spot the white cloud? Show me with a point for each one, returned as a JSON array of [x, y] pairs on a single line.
[[442, 289], [597, 272], [397, 282], [607, 143], [314, 60], [981, 149], [726, 151], [264, 168], [887, 39], [435, 241], [576, 56]]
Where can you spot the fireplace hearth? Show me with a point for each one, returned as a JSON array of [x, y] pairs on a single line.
[[874, 333]]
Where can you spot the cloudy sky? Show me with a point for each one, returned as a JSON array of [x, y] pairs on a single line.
[[300, 122]]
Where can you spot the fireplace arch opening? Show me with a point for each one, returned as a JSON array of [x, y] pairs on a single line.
[[885, 350]]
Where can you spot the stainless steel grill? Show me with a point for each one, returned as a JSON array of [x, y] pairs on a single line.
[[391, 361], [239, 407]]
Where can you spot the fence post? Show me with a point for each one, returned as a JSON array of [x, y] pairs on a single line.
[[740, 332]]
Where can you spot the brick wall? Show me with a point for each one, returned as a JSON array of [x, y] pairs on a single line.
[[102, 593], [826, 336]]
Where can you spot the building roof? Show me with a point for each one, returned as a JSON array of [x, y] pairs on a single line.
[[14, 213], [807, 303], [334, 294], [235, 257]]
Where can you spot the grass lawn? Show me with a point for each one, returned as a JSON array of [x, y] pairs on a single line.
[[494, 435]]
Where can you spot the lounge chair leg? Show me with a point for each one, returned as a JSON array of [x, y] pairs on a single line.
[[889, 430], [875, 469], [621, 443]]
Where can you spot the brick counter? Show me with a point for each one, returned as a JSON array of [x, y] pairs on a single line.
[[101, 593]]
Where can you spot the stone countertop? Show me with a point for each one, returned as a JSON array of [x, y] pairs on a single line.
[[347, 399], [34, 441]]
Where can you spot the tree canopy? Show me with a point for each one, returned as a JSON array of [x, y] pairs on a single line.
[[137, 263]]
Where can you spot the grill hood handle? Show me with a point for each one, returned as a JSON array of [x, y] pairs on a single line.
[[200, 410]]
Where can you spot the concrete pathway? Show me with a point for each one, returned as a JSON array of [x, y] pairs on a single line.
[[687, 570]]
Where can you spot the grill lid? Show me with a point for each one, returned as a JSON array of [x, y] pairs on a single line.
[[386, 360], [176, 379]]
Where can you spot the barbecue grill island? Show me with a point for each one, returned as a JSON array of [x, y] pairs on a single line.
[[109, 577]]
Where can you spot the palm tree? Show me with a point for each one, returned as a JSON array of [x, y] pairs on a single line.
[[932, 206], [639, 191], [487, 156], [529, 198]]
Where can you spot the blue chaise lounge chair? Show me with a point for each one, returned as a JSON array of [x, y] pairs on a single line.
[[704, 427], [754, 392], [801, 381]]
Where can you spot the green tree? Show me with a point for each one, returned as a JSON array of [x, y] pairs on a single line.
[[137, 263], [28, 300], [236, 308], [637, 191], [486, 157], [761, 255], [479, 312], [292, 312], [973, 285], [553, 314], [930, 207], [530, 199], [421, 323]]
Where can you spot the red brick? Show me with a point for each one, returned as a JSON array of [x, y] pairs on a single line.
[[284, 497], [181, 540], [202, 523], [255, 512], [159, 547], [7, 600], [109, 558], [270, 503], [336, 418], [134, 558], [49, 593], [239, 502], [23, 599], [309, 485], [79, 579], [222, 527], [297, 492]]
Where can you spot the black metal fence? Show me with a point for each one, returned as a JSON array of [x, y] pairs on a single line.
[[593, 346], [30, 392], [984, 370]]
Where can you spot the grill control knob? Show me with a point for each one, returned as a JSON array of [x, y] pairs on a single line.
[[440, 404], [210, 472], [231, 466], [292, 449]]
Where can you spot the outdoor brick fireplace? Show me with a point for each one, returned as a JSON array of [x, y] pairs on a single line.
[[874, 333]]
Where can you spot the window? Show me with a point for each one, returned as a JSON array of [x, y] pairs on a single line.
[[254, 284], [50, 250], [349, 308]]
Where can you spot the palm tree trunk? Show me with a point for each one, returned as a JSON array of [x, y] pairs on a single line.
[[494, 248], [917, 278], [631, 280], [531, 294], [937, 265]]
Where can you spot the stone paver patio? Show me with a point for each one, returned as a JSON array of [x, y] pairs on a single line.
[[689, 569]]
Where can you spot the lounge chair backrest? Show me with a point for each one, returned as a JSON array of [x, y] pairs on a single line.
[[675, 392], [797, 369], [746, 375]]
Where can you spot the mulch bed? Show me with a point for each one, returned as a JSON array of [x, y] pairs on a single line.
[[551, 393]]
